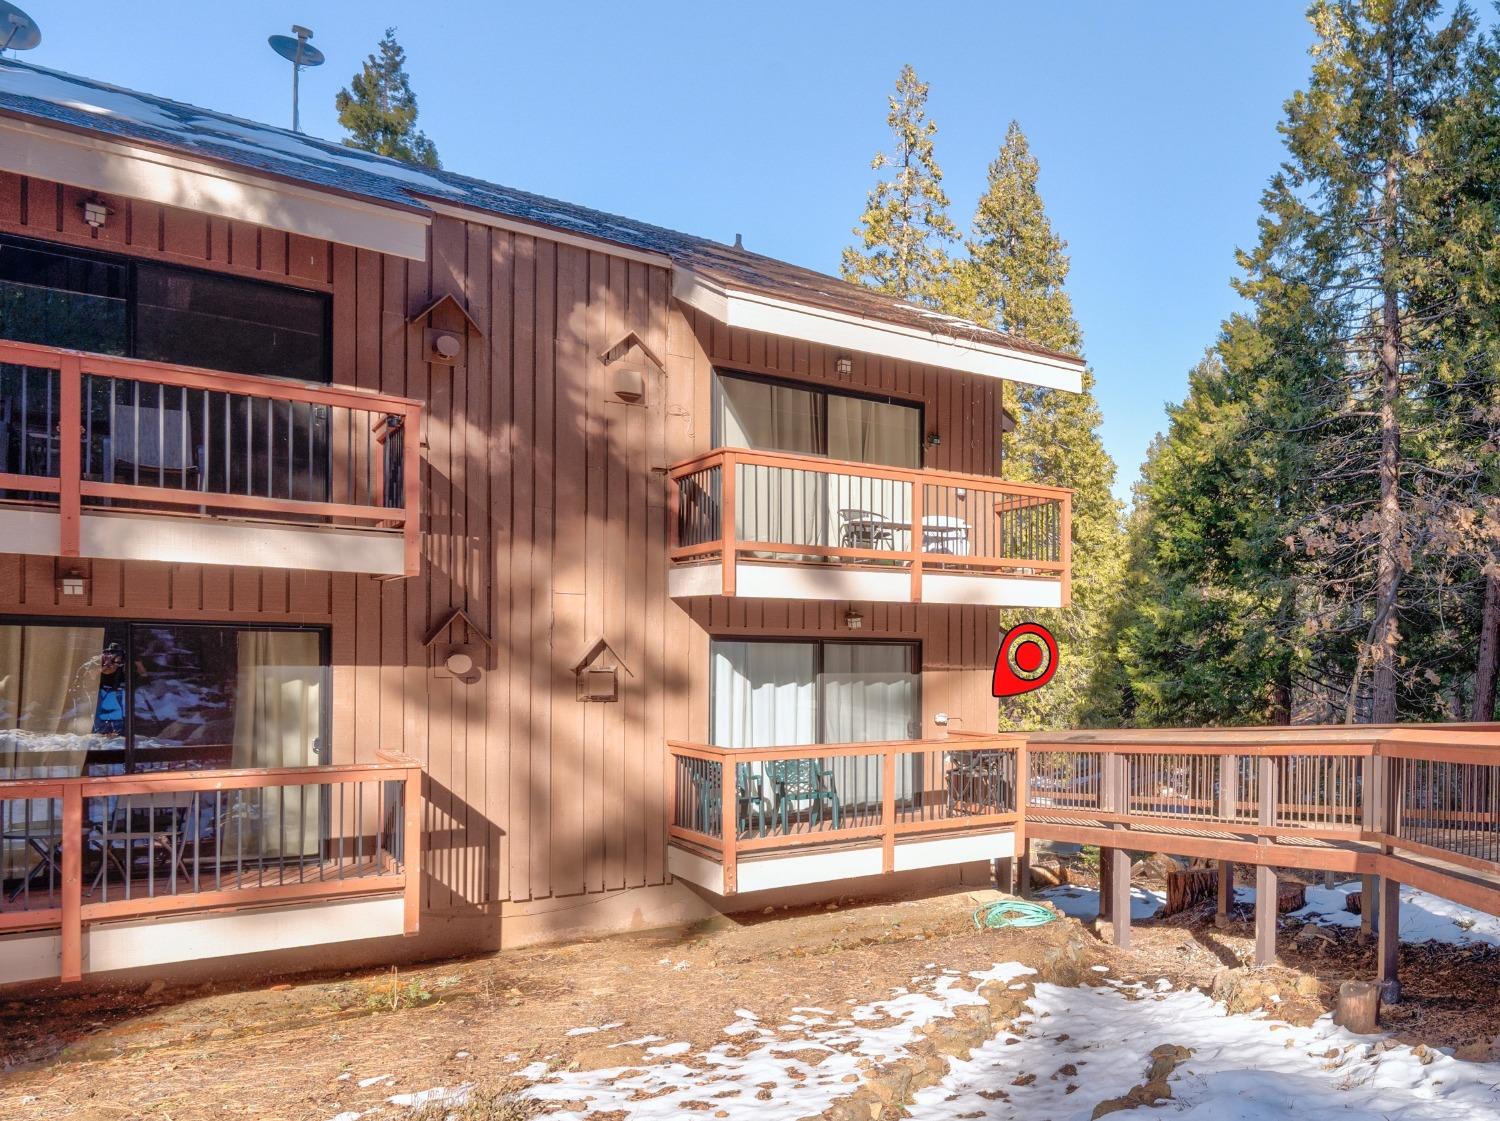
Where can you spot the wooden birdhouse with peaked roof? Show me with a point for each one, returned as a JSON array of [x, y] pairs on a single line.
[[459, 648], [631, 363], [598, 673], [446, 325]]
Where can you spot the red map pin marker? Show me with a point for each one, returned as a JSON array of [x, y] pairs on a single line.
[[1027, 660]]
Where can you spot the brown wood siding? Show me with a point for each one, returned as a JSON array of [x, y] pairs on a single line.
[[544, 505]]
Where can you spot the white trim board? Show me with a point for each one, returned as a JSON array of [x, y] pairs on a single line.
[[118, 168], [187, 540], [756, 311], [763, 580]]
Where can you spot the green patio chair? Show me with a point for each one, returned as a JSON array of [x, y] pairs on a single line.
[[711, 802], [799, 782]]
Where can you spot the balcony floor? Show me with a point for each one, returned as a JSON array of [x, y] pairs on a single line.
[[813, 580]]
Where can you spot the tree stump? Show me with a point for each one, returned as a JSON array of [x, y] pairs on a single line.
[[1189, 887], [1290, 897], [1358, 1007], [1354, 903]]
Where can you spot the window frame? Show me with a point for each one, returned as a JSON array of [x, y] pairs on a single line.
[[130, 263], [819, 643], [131, 623]]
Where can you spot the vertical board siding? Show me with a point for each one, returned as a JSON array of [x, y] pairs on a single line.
[[545, 517]]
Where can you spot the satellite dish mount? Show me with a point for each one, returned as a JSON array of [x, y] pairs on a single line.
[[299, 52]]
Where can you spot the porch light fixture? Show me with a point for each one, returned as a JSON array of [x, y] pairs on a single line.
[[844, 364], [95, 213], [853, 619], [934, 440], [73, 584]]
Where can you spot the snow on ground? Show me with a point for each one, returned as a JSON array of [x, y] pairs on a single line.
[[1083, 1046], [768, 1071], [1424, 917], [1083, 902]]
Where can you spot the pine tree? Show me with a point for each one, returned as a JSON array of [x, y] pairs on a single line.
[[379, 110], [905, 230], [1013, 279], [1343, 219]]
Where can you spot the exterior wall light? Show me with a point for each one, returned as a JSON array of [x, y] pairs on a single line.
[[934, 440], [73, 585], [844, 364], [95, 213], [853, 619]]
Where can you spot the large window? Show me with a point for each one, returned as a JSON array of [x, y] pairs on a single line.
[[782, 694], [102, 698], [60, 296], [779, 416]]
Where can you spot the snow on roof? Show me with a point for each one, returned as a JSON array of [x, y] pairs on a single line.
[[79, 103]]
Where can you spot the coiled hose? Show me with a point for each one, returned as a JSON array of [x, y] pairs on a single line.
[[1012, 912]]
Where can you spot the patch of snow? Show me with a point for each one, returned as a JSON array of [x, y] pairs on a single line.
[[1243, 1068], [595, 1028], [347, 1115], [774, 1063], [1083, 902], [438, 1095], [366, 1083], [1424, 917]]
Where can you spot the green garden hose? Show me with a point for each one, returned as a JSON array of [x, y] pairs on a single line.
[[1012, 912]]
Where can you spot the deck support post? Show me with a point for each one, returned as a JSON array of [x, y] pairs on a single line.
[[1003, 871], [1023, 869], [1265, 915], [1369, 906], [1106, 883], [1225, 894], [1388, 950], [71, 933], [1119, 903]]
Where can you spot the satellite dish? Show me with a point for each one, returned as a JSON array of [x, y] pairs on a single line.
[[296, 49], [18, 31]]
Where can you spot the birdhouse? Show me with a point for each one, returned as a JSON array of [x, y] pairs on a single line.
[[599, 673], [630, 363], [446, 325], [457, 648]]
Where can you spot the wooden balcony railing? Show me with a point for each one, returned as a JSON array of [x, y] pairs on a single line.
[[83, 431], [735, 801], [830, 512], [82, 850]]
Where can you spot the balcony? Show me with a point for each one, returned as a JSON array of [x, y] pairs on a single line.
[[804, 527], [92, 864], [751, 819], [121, 459]]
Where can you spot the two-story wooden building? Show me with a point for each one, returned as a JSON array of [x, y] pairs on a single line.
[[393, 563]]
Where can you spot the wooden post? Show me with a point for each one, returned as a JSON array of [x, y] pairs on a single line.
[[1119, 904], [888, 810], [1024, 870], [411, 478], [729, 823], [1369, 905], [1226, 894], [1388, 951], [917, 542], [1003, 872], [72, 882], [411, 850], [1106, 882], [728, 524], [1358, 1007], [1265, 915], [1065, 547], [69, 453]]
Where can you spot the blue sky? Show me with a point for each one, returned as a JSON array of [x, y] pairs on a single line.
[[1155, 124]]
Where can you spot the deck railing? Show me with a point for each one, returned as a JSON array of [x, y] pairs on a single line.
[[86, 849], [734, 505], [85, 431], [735, 801]]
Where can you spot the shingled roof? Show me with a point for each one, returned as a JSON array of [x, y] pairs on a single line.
[[80, 104]]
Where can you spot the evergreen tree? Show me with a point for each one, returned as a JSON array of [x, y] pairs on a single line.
[[1013, 279], [905, 230], [379, 110]]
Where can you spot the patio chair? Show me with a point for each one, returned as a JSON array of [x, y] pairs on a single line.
[[976, 784], [865, 529], [711, 802], [163, 830], [800, 782]]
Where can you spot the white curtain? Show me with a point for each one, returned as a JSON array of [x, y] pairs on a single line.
[[764, 694], [49, 695], [775, 504], [276, 721], [869, 693]]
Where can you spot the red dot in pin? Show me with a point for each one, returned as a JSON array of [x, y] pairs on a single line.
[[1028, 657]]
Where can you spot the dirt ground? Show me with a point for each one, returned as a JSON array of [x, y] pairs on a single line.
[[311, 1049]]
